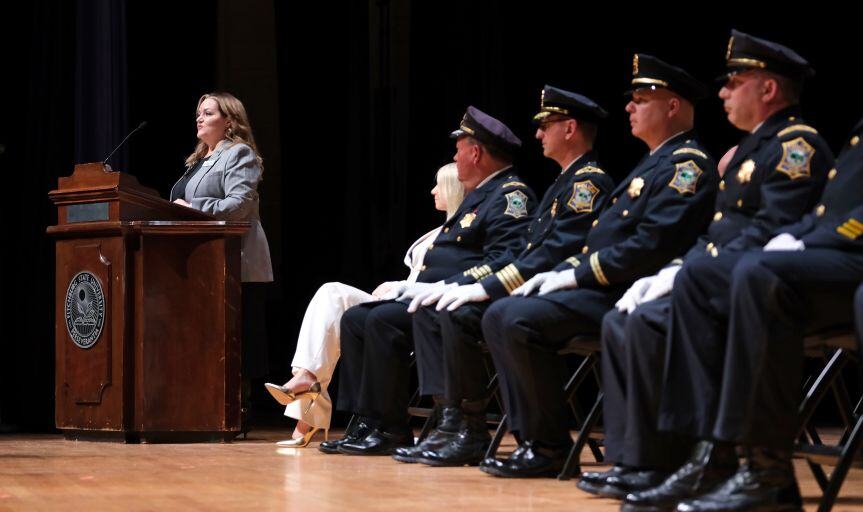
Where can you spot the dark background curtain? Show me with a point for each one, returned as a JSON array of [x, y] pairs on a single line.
[[351, 104]]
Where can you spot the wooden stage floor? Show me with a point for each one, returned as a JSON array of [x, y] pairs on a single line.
[[46, 472]]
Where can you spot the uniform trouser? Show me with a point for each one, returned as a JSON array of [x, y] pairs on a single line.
[[858, 317], [523, 335], [318, 347], [376, 354], [633, 356], [745, 366], [450, 358], [778, 298]]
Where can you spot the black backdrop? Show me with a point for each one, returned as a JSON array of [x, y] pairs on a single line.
[[351, 103]]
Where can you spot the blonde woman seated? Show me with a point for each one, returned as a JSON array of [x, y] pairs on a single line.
[[318, 347]]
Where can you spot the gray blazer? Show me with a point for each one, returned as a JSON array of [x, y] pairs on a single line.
[[226, 187]]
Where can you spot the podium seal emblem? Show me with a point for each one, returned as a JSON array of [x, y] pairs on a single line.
[[85, 309]]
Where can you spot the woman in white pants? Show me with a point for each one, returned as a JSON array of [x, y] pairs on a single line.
[[318, 345]]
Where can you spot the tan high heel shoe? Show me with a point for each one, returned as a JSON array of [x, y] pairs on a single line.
[[302, 442], [284, 395]]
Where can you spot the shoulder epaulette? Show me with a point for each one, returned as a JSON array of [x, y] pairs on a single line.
[[513, 184], [589, 168], [797, 128], [690, 151]]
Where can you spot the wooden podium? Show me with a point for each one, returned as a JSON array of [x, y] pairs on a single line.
[[147, 325]]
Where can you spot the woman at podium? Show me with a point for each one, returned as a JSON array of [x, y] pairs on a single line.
[[221, 178], [318, 345]]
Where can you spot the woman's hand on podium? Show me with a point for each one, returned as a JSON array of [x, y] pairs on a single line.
[[182, 202]]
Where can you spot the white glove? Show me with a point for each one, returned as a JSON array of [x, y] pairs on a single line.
[[784, 242], [661, 285], [410, 290], [632, 298], [429, 296], [395, 290], [559, 281], [457, 296], [532, 284]]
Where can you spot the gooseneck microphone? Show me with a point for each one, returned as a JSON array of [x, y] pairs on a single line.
[[140, 126]]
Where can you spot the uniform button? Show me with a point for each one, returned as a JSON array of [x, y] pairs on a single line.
[[614, 201], [710, 246], [539, 220], [854, 140], [739, 203], [714, 252], [722, 185], [820, 210], [595, 222], [625, 213], [584, 250], [831, 174], [529, 245], [458, 238], [423, 268], [431, 246], [792, 118], [446, 230], [717, 216]]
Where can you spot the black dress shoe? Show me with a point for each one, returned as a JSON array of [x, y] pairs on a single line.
[[377, 443], [710, 465], [358, 433], [765, 483], [531, 460], [618, 486], [446, 431], [466, 449], [593, 481]]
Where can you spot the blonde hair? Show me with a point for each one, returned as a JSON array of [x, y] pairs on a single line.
[[451, 187], [240, 130]]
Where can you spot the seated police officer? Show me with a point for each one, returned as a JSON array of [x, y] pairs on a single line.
[[449, 355], [656, 213], [376, 337], [804, 281], [793, 165], [759, 193]]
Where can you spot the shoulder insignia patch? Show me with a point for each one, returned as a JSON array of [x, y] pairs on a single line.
[[589, 168], [690, 151], [851, 228], [635, 187], [796, 158], [513, 184], [686, 176], [516, 204], [796, 128], [466, 221], [584, 194]]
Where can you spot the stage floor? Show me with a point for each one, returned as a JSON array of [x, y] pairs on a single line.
[[46, 472]]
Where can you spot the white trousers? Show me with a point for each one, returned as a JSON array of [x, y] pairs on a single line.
[[318, 347]]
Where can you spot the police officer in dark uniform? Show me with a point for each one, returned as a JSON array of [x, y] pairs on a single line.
[[486, 230], [449, 355], [656, 214], [755, 197], [790, 164], [804, 281]]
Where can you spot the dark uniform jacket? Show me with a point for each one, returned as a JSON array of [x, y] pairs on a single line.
[[656, 214], [776, 175], [483, 234], [837, 221], [559, 226]]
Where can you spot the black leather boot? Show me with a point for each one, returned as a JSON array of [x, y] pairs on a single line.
[[765, 482], [446, 430], [637, 480], [468, 447], [711, 464], [362, 428]]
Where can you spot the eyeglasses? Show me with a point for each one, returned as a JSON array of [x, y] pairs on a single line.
[[545, 123]]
